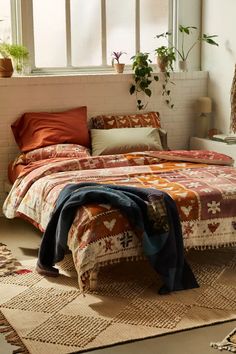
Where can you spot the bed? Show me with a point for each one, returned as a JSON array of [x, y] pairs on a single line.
[[202, 184]]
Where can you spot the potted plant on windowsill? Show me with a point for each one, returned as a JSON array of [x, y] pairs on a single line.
[[119, 67], [12, 52], [184, 52], [165, 58]]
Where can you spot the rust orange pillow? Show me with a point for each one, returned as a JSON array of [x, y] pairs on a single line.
[[149, 119], [38, 129]]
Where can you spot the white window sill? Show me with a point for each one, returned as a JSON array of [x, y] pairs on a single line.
[[18, 80]]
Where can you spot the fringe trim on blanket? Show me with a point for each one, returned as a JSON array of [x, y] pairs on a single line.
[[212, 247], [11, 336]]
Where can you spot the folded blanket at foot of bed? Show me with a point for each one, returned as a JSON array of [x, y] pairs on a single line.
[[153, 214]]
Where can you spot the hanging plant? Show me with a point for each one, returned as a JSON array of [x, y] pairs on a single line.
[[165, 59], [142, 78], [166, 92]]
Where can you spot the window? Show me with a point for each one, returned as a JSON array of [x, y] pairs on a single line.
[[5, 21], [49, 33], [80, 34]]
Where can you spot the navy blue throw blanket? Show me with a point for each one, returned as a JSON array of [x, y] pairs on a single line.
[[162, 245]]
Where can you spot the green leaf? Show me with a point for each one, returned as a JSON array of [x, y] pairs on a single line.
[[132, 89], [210, 41], [186, 29], [140, 106], [148, 92], [143, 85]]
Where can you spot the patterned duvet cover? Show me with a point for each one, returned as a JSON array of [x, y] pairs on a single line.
[[203, 185]]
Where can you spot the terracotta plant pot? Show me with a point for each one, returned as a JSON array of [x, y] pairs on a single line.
[[119, 68], [162, 64], [6, 68]]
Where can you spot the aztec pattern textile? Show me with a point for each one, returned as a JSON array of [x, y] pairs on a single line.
[[233, 103], [55, 317], [205, 196]]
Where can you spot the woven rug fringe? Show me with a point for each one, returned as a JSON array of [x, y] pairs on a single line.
[[224, 346], [228, 343], [12, 337]]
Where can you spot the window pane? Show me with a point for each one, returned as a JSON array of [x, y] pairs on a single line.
[[86, 32], [49, 33], [120, 28], [5, 21], [153, 20]]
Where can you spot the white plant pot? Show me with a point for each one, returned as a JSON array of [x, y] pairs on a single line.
[[183, 65]]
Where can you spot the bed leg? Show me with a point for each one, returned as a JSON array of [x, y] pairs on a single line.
[[93, 279]]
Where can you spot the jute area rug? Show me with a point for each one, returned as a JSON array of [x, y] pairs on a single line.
[[50, 315]]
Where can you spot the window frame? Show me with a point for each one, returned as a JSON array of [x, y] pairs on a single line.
[[22, 32]]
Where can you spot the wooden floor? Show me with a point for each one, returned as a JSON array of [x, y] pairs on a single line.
[[23, 240]]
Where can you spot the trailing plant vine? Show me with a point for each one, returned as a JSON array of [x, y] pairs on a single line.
[[166, 92], [165, 59], [142, 78]]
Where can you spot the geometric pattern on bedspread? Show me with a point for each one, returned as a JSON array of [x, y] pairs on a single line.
[[205, 196]]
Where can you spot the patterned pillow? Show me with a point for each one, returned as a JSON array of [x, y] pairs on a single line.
[[149, 119]]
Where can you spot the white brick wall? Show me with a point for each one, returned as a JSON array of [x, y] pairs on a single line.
[[106, 93]]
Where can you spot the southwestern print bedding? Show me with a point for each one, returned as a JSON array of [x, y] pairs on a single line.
[[202, 183]]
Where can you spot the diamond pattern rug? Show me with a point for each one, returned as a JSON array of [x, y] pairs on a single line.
[[51, 315]]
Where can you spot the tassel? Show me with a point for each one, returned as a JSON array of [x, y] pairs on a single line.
[[12, 337]]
